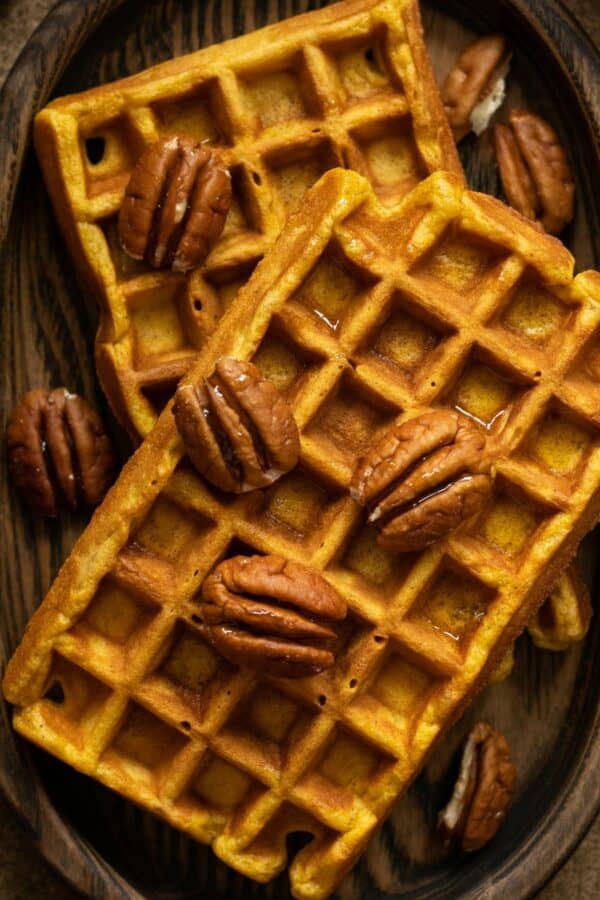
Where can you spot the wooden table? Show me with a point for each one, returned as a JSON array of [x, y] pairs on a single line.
[[23, 874]]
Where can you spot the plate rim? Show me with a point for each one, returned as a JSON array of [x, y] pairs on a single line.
[[32, 78]]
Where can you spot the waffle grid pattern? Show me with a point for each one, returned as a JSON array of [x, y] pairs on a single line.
[[345, 86], [144, 704]]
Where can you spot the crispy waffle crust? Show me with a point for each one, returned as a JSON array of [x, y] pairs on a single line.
[[349, 85], [114, 675]]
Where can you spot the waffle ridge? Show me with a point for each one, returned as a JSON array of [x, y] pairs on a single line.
[[238, 760], [348, 85]]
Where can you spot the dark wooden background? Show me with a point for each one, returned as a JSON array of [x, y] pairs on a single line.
[[22, 873]]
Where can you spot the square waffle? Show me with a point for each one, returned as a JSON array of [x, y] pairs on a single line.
[[349, 85], [113, 674]]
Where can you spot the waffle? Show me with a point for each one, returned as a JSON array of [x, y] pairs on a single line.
[[434, 299], [349, 85]]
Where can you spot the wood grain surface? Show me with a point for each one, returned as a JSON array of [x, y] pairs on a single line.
[[55, 341]]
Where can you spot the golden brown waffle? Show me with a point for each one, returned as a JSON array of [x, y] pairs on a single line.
[[349, 85], [435, 301]]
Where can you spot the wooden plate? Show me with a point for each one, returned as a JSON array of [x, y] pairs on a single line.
[[549, 708]]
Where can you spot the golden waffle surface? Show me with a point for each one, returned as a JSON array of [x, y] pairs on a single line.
[[440, 306], [349, 85]]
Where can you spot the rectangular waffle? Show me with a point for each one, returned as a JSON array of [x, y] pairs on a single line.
[[435, 309], [349, 85]]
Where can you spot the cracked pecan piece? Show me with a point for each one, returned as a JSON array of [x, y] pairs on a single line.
[[58, 451], [534, 170], [175, 204], [482, 792], [238, 430], [474, 87], [272, 614], [423, 479]]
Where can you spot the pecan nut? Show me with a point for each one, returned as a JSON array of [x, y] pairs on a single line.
[[482, 792], [534, 170], [238, 430], [474, 88], [175, 204], [58, 451], [565, 616], [272, 614], [423, 479]]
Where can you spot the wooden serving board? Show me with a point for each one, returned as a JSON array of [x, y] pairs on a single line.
[[549, 708]]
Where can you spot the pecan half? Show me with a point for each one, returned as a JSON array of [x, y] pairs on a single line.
[[534, 170], [565, 616], [175, 204], [423, 479], [483, 791], [237, 428], [58, 451], [271, 614], [474, 88]]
